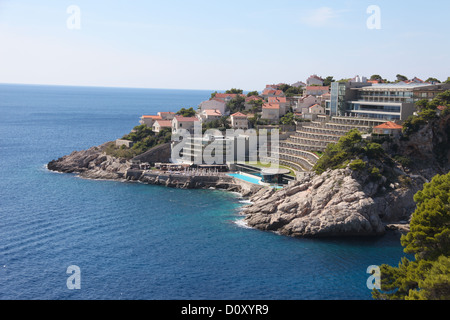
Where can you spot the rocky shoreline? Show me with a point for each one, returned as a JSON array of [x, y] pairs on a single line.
[[95, 164], [337, 203]]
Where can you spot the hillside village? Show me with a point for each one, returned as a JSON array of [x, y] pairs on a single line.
[[308, 115]]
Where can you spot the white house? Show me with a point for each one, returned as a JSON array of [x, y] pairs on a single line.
[[306, 102], [186, 123], [316, 90], [161, 124], [282, 102], [167, 115], [312, 112], [270, 112], [314, 80], [149, 120], [316, 109], [239, 121], [209, 115], [298, 84], [214, 104]]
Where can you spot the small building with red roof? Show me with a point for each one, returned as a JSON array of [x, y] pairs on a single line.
[[239, 121], [186, 123], [161, 124], [149, 120], [388, 128]]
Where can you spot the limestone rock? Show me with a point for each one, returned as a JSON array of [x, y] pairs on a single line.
[[336, 203]]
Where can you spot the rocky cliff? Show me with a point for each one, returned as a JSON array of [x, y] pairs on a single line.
[[336, 203]]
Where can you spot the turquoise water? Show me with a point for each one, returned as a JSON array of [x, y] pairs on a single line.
[[134, 241], [245, 178]]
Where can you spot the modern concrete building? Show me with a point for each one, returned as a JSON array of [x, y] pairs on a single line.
[[392, 102], [341, 93], [389, 102]]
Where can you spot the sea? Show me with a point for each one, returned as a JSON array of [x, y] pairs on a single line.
[[67, 238]]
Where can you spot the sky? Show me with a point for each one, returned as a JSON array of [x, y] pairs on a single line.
[[218, 45]]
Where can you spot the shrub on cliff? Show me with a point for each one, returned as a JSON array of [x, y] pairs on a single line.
[[428, 277], [144, 139], [348, 150]]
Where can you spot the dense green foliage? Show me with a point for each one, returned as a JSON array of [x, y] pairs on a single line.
[[144, 139], [186, 112], [351, 147], [236, 104], [234, 91], [288, 119], [427, 111], [328, 80], [253, 93], [428, 277], [291, 91], [220, 124]]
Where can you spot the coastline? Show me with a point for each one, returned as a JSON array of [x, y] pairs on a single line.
[[312, 208], [94, 164]]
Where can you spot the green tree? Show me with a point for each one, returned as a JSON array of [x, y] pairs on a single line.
[[253, 93], [376, 77], [287, 119], [448, 80], [401, 78], [236, 104], [234, 91], [431, 79], [428, 277], [328, 80], [186, 112]]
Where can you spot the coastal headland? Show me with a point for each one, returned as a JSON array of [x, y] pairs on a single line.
[[351, 178]]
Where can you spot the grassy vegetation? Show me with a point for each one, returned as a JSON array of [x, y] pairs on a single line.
[[144, 139]]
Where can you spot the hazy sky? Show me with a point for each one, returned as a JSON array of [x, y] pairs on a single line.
[[219, 44]]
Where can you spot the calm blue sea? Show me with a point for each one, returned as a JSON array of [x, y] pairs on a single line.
[[134, 241]]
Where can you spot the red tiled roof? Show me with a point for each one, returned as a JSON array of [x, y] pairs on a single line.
[[252, 98], [228, 95], [442, 108], [164, 123], [274, 92], [239, 115], [152, 117], [214, 112], [186, 119], [277, 100], [315, 88], [271, 106], [389, 125], [218, 100]]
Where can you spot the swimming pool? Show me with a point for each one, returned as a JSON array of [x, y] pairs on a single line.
[[246, 177]]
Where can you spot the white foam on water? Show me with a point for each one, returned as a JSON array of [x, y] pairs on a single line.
[[242, 224]]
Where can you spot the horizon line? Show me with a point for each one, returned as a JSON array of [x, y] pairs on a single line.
[[103, 87]]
